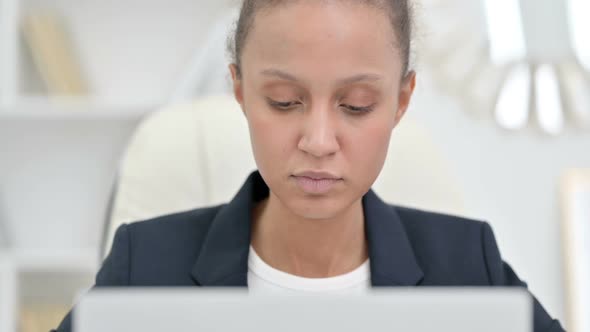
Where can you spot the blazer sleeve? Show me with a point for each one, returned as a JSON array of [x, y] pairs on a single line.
[[115, 270], [501, 274]]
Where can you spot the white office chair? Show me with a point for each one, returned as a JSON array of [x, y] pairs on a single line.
[[199, 154]]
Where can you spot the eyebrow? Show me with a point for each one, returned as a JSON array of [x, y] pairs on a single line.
[[348, 80]]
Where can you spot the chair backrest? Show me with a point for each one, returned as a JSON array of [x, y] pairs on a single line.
[[198, 154]]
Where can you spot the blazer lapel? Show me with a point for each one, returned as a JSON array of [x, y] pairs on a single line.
[[223, 260], [392, 259]]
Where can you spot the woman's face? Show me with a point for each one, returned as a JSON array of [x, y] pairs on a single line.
[[321, 90]]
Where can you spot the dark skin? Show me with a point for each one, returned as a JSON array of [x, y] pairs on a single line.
[[322, 89]]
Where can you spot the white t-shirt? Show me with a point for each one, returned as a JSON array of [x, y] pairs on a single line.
[[263, 278]]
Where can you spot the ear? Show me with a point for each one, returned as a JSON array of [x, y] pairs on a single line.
[[237, 84], [405, 96]]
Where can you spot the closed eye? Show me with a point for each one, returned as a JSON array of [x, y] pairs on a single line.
[[358, 109], [283, 105]]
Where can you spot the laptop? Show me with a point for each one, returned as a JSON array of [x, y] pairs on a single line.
[[57, 170], [403, 309]]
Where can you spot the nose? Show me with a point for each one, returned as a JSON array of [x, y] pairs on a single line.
[[319, 137]]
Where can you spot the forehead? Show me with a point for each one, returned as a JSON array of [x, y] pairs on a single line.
[[323, 35]]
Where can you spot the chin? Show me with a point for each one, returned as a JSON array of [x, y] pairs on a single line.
[[317, 207]]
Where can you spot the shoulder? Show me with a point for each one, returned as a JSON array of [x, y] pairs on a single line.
[[175, 227], [450, 249], [165, 234], [161, 250], [438, 226]]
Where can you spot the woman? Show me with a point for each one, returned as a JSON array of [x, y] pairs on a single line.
[[322, 85]]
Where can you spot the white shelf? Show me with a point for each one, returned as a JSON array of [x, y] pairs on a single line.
[[67, 109], [78, 260], [139, 57], [61, 288], [9, 60], [71, 103], [133, 55], [8, 294], [52, 276], [36, 277]]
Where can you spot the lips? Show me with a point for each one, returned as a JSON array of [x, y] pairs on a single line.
[[313, 182]]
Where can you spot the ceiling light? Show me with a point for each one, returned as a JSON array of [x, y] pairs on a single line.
[[512, 108], [504, 27], [548, 100], [579, 29]]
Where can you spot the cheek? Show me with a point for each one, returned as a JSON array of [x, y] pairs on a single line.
[[369, 147], [270, 140]]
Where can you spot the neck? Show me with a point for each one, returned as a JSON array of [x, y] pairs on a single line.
[[306, 247]]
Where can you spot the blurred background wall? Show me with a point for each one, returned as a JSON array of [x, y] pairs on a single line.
[[511, 180]]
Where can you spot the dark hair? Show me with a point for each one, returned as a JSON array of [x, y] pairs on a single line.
[[400, 14]]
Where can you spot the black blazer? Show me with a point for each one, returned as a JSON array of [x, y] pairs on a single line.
[[209, 247]]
